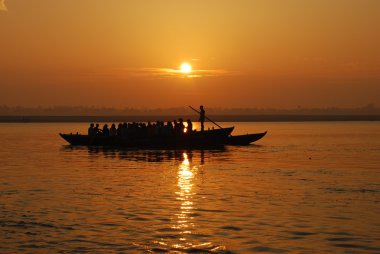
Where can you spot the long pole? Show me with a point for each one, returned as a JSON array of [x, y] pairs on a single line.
[[206, 117]]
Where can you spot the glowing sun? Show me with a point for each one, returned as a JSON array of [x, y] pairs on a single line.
[[185, 68]]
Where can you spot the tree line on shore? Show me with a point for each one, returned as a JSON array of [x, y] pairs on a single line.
[[5, 110]]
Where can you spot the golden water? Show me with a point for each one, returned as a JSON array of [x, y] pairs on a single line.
[[304, 188]]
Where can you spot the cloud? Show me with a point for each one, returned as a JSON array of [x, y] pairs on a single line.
[[2, 6], [162, 73], [167, 73]]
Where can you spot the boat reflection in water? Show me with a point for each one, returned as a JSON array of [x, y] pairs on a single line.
[[145, 155], [159, 192]]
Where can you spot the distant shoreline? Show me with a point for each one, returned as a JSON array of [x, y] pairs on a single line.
[[216, 118]]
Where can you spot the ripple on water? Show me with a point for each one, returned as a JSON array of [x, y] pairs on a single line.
[[167, 230], [342, 239], [356, 246], [139, 218], [8, 192], [25, 224], [232, 228], [265, 249], [345, 190], [340, 218], [211, 210], [347, 240], [189, 248], [301, 233]]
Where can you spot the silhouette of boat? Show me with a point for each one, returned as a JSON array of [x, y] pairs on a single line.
[[197, 139], [243, 140]]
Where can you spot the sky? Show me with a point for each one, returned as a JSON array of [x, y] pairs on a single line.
[[243, 53]]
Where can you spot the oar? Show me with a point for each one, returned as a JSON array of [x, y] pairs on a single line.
[[206, 117]]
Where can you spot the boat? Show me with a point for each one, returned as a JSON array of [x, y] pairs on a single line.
[[239, 140], [243, 140], [197, 139]]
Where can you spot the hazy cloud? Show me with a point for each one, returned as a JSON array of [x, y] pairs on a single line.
[[164, 73], [2, 6]]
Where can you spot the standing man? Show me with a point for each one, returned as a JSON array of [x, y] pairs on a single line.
[[202, 116]]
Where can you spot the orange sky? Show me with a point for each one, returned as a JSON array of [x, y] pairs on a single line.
[[246, 53]]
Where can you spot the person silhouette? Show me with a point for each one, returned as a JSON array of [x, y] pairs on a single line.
[[96, 130], [202, 115], [189, 128], [113, 130], [91, 131], [106, 130]]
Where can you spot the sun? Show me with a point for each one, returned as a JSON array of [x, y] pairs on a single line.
[[185, 68]]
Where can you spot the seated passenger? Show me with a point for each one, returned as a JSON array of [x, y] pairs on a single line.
[[175, 126], [158, 131], [97, 130], [119, 127], [181, 127], [189, 128], [124, 130], [150, 129], [113, 131], [91, 131], [169, 128], [106, 131]]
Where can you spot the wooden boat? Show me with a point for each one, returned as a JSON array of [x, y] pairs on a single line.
[[243, 140], [197, 139]]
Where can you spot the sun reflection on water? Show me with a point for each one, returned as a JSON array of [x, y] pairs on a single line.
[[185, 194]]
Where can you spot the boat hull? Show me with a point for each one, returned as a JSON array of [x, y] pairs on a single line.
[[206, 139], [243, 140]]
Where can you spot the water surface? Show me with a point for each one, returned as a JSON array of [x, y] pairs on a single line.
[[304, 188]]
